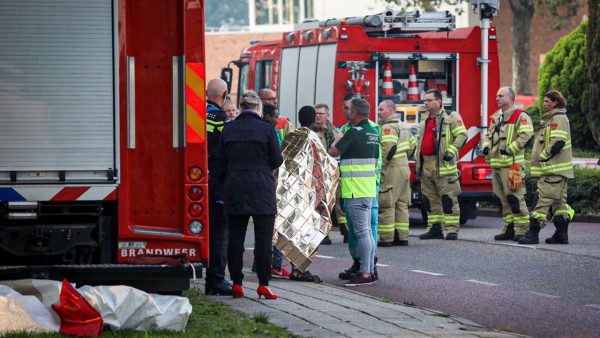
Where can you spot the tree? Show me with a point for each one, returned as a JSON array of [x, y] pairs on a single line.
[[522, 15], [592, 97], [565, 70]]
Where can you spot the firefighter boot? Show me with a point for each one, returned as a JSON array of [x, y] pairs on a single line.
[[561, 235], [349, 273], [508, 234], [344, 231], [434, 233], [531, 237]]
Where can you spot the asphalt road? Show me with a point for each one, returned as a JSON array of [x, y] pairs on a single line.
[[539, 290]]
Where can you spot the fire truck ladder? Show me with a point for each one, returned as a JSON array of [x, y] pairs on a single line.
[[413, 21]]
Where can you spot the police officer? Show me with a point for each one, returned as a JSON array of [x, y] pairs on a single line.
[[397, 145], [216, 93], [441, 135], [551, 161], [509, 131]]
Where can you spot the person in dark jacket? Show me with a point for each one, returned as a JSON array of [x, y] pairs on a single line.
[[216, 92], [249, 152]]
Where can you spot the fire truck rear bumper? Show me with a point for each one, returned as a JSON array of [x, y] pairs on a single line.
[[150, 278]]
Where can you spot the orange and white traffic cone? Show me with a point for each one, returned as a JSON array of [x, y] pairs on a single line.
[[387, 85], [413, 86]]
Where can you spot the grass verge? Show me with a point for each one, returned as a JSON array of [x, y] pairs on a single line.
[[208, 319]]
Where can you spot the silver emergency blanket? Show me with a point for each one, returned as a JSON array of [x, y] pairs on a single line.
[[122, 307], [306, 185]]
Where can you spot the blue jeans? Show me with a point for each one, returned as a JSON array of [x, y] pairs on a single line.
[[359, 210], [277, 258], [352, 242]]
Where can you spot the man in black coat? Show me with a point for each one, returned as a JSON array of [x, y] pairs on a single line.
[[248, 154]]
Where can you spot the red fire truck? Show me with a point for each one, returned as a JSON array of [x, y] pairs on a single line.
[[322, 61], [102, 154]]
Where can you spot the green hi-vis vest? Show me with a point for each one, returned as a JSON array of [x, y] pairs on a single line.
[[358, 161], [375, 126]]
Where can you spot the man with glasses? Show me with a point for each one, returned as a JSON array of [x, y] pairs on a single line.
[[441, 135], [268, 96], [327, 133]]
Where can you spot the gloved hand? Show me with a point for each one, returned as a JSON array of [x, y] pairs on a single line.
[[448, 157], [485, 151], [505, 152]]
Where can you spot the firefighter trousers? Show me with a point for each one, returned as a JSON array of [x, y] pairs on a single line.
[[339, 207], [551, 193], [394, 198], [514, 209], [440, 194], [352, 240]]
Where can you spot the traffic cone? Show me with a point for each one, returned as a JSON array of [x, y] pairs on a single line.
[[387, 86], [413, 86]]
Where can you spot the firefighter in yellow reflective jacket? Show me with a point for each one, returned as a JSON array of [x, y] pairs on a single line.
[[441, 135], [509, 131], [551, 161], [397, 145]]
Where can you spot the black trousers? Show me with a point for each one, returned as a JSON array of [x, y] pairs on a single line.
[[263, 236], [218, 241]]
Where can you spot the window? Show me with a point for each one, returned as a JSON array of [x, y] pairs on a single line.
[[286, 12], [263, 74], [243, 84]]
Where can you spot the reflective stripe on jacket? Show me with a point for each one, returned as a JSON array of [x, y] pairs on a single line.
[[546, 158]]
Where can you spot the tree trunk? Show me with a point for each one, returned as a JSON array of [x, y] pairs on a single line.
[[593, 62], [523, 11]]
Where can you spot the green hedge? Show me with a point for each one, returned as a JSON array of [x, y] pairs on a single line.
[[583, 192], [565, 70]]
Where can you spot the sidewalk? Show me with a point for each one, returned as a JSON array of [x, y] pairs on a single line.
[[321, 310]]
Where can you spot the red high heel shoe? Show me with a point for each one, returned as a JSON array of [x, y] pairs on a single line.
[[237, 291], [264, 291]]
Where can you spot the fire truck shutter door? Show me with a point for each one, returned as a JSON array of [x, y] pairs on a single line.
[[307, 76], [288, 82], [325, 74], [56, 67]]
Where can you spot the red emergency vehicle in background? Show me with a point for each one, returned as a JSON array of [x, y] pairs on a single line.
[[102, 154], [395, 56]]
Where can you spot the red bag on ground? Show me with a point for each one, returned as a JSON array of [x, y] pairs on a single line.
[[77, 316]]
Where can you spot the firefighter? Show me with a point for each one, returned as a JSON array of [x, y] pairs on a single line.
[[327, 133], [216, 94], [268, 96], [441, 135], [509, 131], [551, 161], [397, 145]]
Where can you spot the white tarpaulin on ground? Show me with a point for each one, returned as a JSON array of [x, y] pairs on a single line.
[[121, 307]]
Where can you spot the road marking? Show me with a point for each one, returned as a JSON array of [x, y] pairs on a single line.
[[379, 264], [596, 306], [517, 245], [543, 294], [326, 257], [481, 282], [427, 273]]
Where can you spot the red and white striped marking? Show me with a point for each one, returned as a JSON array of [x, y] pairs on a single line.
[[69, 193]]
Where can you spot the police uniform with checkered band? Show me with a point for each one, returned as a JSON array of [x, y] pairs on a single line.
[[397, 146], [504, 145], [438, 173], [552, 162]]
